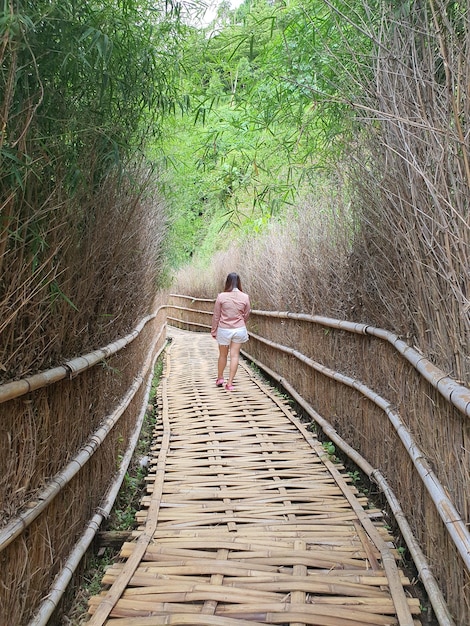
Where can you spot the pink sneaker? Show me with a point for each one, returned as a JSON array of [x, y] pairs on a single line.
[[229, 387], [219, 382]]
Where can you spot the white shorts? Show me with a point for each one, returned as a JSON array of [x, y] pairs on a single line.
[[227, 335]]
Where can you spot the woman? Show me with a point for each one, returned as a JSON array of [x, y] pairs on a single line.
[[231, 311]]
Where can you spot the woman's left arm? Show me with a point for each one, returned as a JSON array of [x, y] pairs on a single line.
[[247, 311]]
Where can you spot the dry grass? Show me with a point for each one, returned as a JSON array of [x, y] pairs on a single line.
[[412, 249], [208, 278], [297, 264], [77, 273]]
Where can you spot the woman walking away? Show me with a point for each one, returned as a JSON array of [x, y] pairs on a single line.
[[231, 311]]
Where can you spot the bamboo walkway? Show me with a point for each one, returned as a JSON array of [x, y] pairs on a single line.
[[246, 520]]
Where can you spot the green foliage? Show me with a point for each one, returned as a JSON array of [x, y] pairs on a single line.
[[89, 74], [83, 86], [130, 494], [91, 584], [354, 476], [123, 514], [329, 447], [157, 374], [270, 88]]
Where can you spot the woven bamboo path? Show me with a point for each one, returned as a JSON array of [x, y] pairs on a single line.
[[246, 520]]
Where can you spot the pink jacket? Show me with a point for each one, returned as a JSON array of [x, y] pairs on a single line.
[[231, 310]]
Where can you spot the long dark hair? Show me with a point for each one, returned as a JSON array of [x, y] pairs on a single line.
[[232, 281]]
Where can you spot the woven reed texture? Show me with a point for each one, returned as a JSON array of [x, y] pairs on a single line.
[[246, 520]]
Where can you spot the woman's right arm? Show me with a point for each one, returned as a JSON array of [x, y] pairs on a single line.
[[215, 317]]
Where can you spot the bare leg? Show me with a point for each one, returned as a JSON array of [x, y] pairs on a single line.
[[234, 358], [222, 362]]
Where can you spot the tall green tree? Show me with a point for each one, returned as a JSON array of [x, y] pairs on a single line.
[[271, 87], [83, 86], [101, 71]]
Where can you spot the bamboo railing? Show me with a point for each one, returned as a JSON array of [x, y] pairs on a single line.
[[90, 473], [399, 418], [401, 421]]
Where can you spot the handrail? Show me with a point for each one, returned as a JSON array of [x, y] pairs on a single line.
[[185, 308], [434, 592], [458, 395], [177, 295], [15, 526], [146, 537], [450, 516], [451, 390], [51, 601], [17, 388], [42, 499], [175, 319]]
